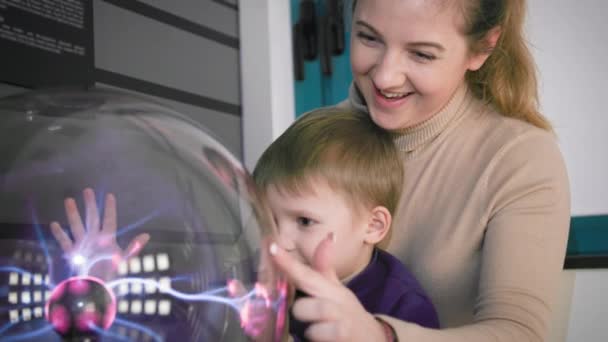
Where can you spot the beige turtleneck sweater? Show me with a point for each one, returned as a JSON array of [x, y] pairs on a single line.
[[483, 222]]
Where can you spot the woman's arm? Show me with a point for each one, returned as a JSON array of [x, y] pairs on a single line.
[[523, 251]]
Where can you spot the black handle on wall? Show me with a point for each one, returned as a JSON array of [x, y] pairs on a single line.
[[325, 45], [298, 53], [308, 26], [335, 14], [321, 36]]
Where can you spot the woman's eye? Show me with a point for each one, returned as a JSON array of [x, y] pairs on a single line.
[[423, 56], [366, 37]]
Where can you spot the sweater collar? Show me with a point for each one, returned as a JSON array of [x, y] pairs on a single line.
[[412, 139]]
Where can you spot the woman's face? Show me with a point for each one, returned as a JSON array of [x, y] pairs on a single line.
[[408, 57]]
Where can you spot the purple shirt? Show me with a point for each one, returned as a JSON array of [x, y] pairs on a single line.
[[385, 287]]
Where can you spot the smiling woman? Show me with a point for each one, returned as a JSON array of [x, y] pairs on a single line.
[[483, 217], [406, 73], [426, 60]]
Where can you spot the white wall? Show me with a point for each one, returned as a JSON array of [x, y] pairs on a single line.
[[589, 309], [266, 74], [570, 47]]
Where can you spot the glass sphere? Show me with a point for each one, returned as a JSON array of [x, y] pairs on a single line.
[[117, 193]]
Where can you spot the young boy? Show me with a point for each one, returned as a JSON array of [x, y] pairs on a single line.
[[334, 172]]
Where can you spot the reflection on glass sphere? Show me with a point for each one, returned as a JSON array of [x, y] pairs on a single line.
[[119, 194]]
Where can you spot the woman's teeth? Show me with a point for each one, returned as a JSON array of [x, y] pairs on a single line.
[[393, 95]]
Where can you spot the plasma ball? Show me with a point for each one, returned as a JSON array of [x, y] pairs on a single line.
[[80, 306]]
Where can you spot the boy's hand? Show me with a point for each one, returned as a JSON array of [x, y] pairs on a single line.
[[333, 310], [94, 250]]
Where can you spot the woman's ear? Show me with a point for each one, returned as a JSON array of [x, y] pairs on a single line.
[[477, 60], [378, 225]]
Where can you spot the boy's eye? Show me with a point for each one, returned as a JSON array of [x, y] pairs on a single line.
[[304, 221]]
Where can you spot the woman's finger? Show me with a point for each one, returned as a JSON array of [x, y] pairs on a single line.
[[137, 244], [92, 213], [109, 216], [62, 238], [71, 211], [302, 276]]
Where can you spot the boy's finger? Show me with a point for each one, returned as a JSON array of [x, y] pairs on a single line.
[[303, 277], [236, 288], [311, 309], [137, 244], [92, 213], [62, 238], [323, 257], [71, 211], [109, 216], [323, 331]]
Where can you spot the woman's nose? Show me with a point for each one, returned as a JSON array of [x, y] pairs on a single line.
[[390, 72]]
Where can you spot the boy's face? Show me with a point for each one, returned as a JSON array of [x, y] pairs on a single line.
[[304, 220]]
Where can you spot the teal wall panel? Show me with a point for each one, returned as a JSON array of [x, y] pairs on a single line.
[[308, 91], [318, 90], [335, 87], [588, 235]]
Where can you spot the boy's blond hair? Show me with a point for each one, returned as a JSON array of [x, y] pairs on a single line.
[[341, 147]]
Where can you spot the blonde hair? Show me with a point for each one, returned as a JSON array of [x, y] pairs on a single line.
[[342, 147], [507, 80]]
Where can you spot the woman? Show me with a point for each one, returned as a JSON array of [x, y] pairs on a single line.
[[484, 217]]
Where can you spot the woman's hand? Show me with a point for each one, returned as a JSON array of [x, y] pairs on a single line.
[[332, 309], [94, 250]]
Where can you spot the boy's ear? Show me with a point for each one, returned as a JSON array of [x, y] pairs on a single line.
[[378, 225]]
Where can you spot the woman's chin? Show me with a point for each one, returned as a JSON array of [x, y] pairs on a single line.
[[388, 122]]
